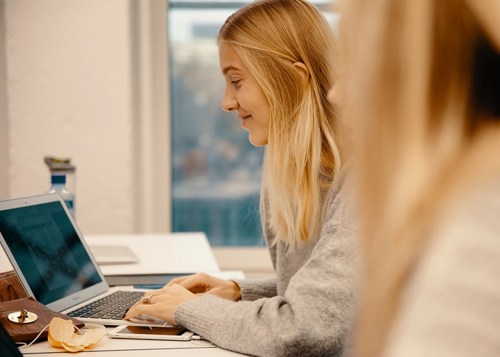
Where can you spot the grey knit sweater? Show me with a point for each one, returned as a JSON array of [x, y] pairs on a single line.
[[452, 305], [307, 310]]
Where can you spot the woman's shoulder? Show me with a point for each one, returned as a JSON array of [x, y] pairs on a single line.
[[473, 212], [454, 291], [340, 208], [465, 234]]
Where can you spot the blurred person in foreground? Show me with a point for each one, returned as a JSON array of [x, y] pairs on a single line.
[[422, 92], [277, 58]]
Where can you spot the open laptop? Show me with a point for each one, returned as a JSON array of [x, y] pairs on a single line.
[[55, 265]]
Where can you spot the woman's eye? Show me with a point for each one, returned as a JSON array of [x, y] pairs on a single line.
[[236, 82]]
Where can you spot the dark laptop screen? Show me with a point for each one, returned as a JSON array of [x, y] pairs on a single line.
[[48, 250]]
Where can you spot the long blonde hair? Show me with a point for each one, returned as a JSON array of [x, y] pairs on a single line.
[[302, 154], [411, 89]]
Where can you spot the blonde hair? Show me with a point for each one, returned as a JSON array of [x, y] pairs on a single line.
[[424, 130], [302, 154]]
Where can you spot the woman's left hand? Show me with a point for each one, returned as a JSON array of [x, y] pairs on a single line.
[[161, 303]]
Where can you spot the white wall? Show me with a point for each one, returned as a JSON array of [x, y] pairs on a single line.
[[4, 130], [74, 73]]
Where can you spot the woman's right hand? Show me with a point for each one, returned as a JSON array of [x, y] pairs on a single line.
[[202, 283]]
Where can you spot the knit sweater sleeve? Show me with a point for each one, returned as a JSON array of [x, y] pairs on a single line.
[[254, 289], [311, 318]]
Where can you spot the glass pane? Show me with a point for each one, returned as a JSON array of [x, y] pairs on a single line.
[[216, 171]]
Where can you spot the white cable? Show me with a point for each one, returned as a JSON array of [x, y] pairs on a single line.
[[25, 345]]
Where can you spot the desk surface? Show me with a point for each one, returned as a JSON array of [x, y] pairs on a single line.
[[160, 253], [123, 347]]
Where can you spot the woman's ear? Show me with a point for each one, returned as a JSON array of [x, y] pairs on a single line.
[[488, 15], [304, 72]]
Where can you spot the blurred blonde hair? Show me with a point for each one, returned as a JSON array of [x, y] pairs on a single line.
[[302, 154], [421, 102]]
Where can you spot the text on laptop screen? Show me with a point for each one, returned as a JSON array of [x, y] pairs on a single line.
[[48, 250]]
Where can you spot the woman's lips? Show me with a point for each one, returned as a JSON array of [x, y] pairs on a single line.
[[244, 119]]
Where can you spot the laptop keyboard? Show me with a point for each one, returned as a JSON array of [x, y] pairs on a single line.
[[110, 307]]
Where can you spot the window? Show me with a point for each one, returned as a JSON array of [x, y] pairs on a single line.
[[216, 171]]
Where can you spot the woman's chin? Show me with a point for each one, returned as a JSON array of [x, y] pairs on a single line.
[[257, 142]]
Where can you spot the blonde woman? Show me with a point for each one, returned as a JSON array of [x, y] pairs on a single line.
[[276, 58], [422, 87]]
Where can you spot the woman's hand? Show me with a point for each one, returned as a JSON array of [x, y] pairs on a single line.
[[202, 283], [161, 303]]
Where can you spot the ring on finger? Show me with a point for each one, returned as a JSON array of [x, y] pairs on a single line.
[[147, 300]]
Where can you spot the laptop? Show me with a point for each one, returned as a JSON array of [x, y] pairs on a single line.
[[55, 265]]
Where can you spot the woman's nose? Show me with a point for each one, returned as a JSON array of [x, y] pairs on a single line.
[[229, 102]]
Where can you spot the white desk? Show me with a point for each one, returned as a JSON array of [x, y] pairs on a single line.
[[158, 254], [120, 347]]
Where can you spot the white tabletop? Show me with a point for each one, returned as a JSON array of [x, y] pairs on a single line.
[[160, 253], [145, 348]]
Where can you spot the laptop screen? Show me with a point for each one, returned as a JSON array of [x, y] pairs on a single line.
[[48, 250]]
